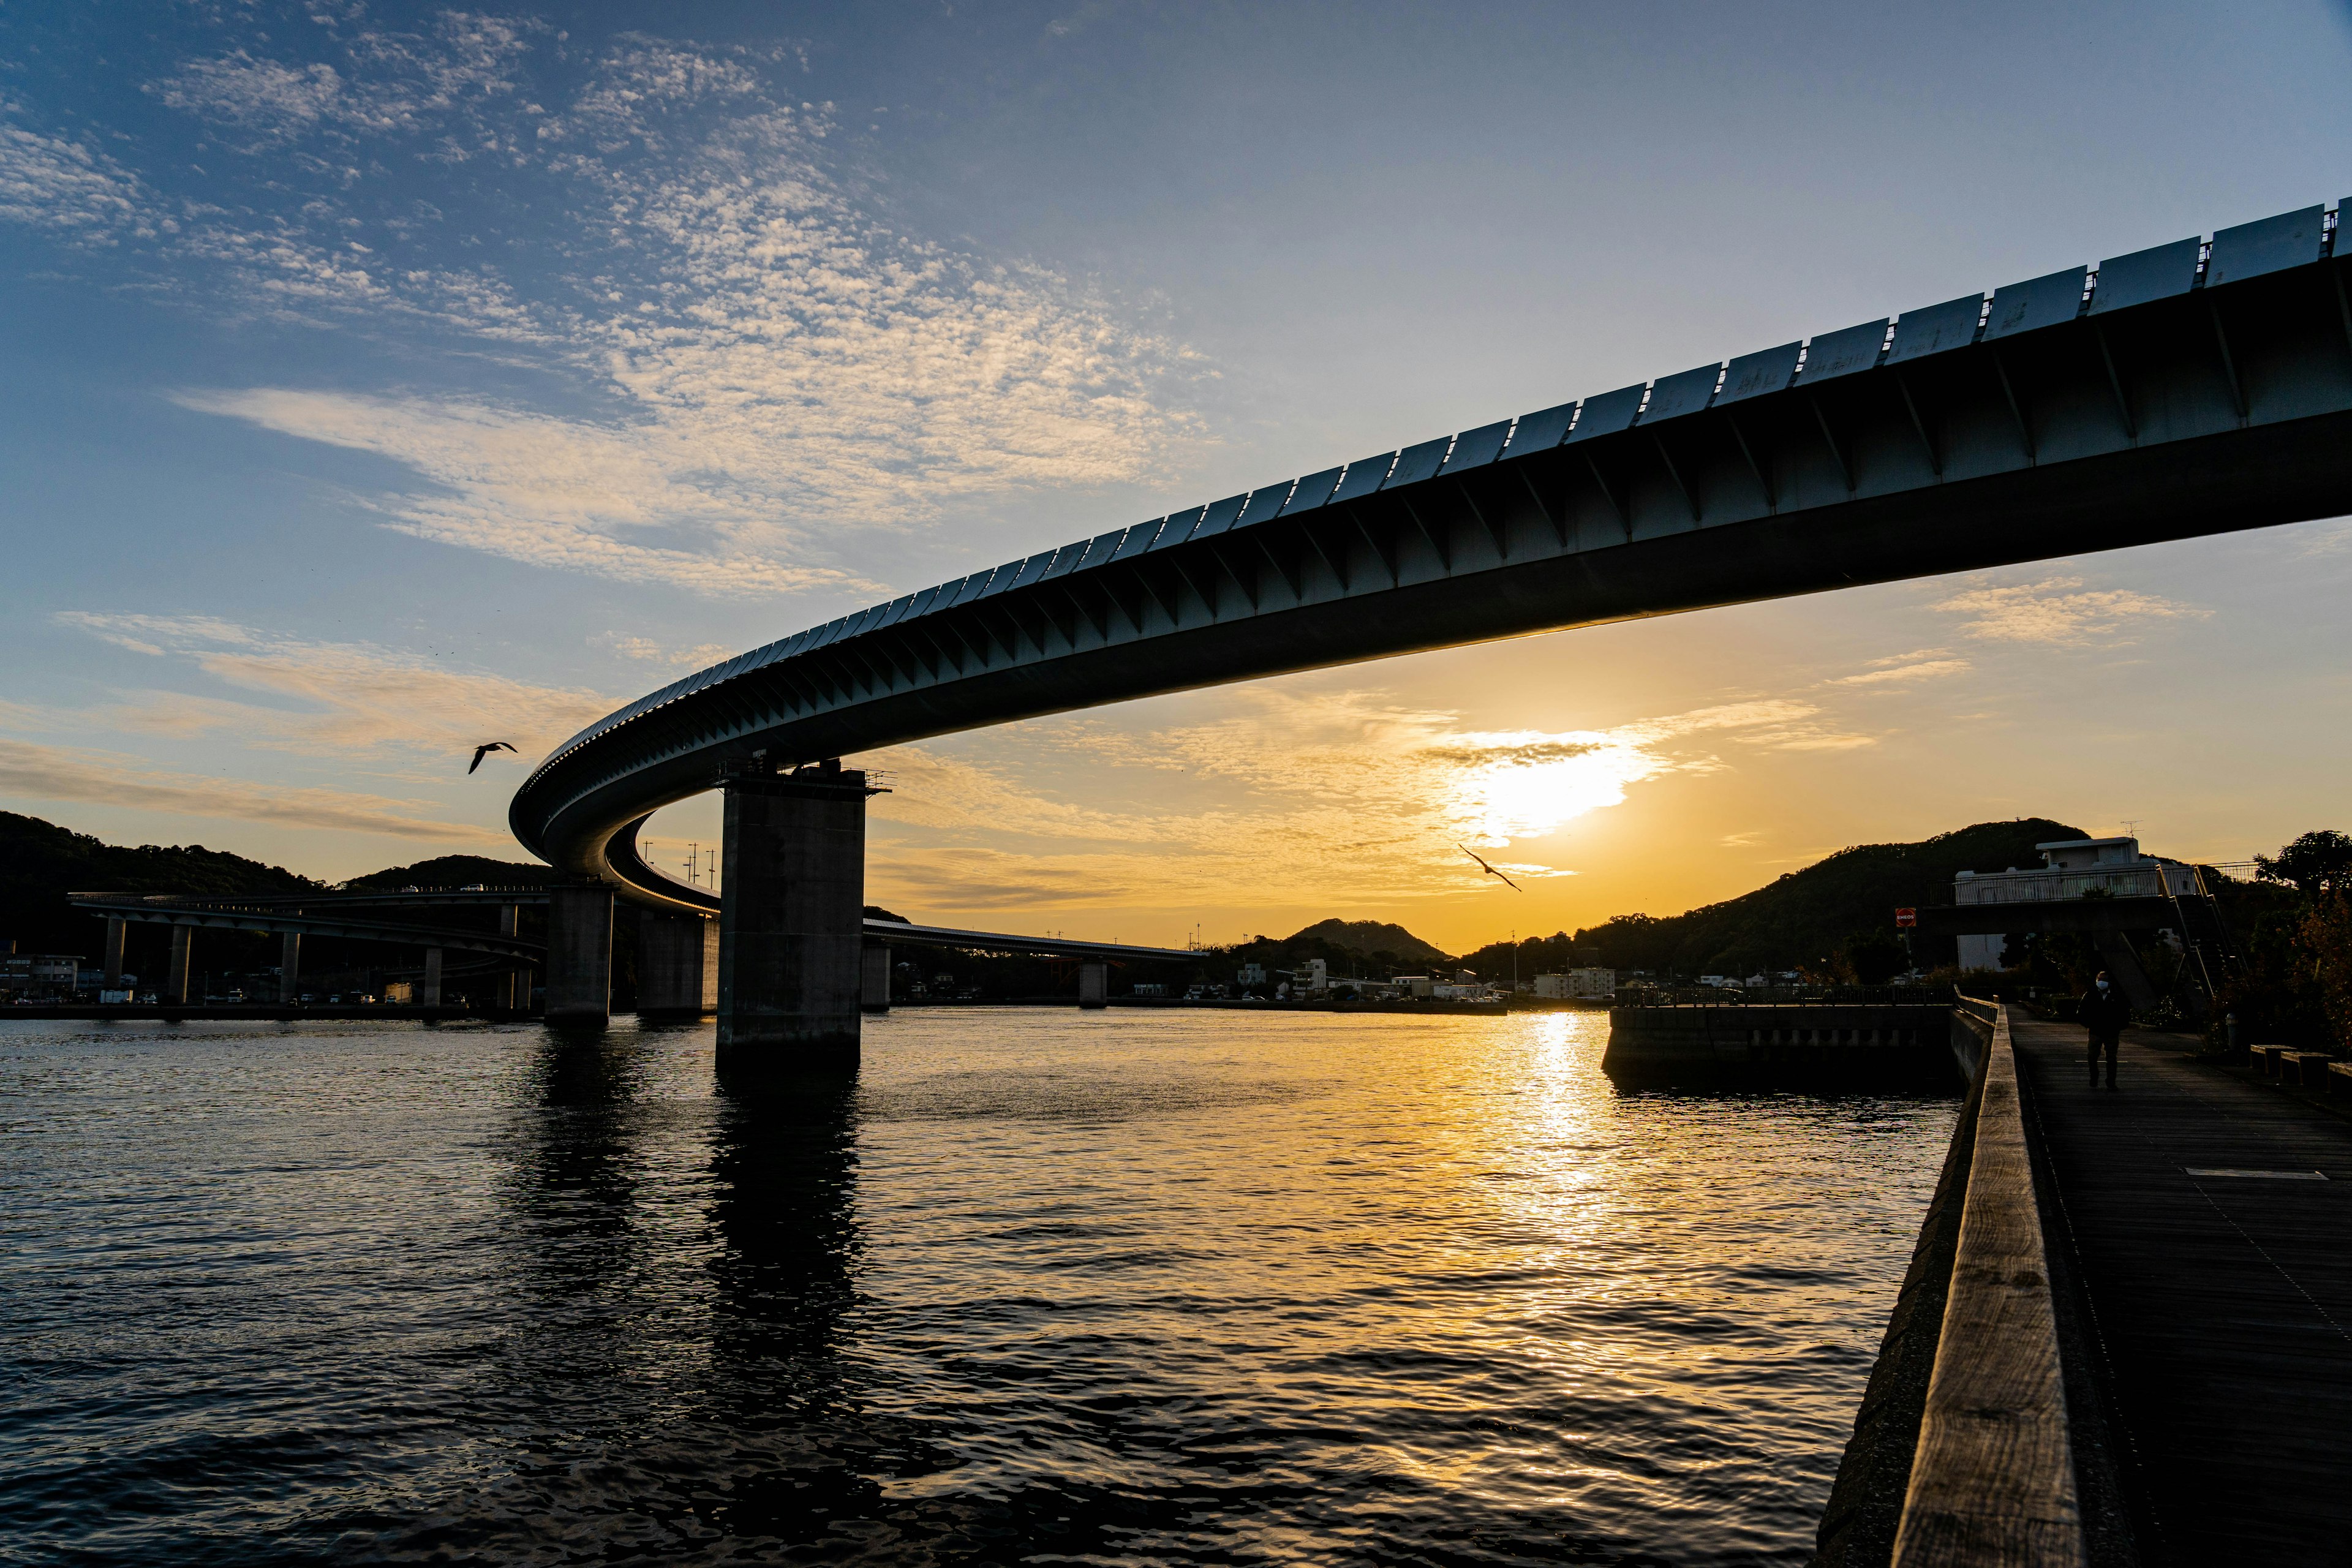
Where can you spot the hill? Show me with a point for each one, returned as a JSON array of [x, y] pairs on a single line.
[[40, 863], [1808, 916], [455, 871], [1368, 937]]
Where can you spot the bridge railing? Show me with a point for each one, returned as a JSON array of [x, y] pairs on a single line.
[[1993, 1476]]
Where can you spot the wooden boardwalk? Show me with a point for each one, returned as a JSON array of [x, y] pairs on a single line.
[[2219, 1320]]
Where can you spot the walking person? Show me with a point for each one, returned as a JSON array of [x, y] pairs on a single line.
[[2104, 1013]]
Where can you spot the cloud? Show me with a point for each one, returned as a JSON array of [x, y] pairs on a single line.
[[774, 372], [341, 699], [64, 186], [397, 81], [1345, 797], [2060, 612], [59, 773], [699, 656], [1904, 671], [552, 492]]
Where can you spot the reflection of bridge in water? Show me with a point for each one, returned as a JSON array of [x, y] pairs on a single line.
[[2188, 389], [674, 978]]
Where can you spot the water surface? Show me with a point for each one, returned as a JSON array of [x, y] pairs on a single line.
[[1038, 1286]]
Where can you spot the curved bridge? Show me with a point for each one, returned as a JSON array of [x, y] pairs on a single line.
[[2193, 388]]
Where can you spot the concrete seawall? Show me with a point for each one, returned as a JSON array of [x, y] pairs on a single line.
[[1962, 1450], [1793, 1044]]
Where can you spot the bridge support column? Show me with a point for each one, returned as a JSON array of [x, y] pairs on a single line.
[[580, 954], [1093, 984], [289, 968], [874, 978], [511, 924], [115, 930], [175, 988], [678, 967], [428, 984], [791, 917]]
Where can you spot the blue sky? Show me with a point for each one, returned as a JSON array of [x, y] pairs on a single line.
[[374, 380]]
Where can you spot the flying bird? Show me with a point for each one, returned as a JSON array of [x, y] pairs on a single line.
[[1489, 869], [483, 751]]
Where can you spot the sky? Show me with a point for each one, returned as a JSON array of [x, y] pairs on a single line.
[[379, 380]]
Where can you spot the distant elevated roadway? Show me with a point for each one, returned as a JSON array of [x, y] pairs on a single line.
[[2193, 388]]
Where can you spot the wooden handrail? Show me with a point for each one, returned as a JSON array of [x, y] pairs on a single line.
[[1993, 1480]]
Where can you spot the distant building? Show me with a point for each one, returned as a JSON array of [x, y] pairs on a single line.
[[2070, 869], [1411, 985], [39, 971], [1577, 984], [1250, 974], [1311, 978]]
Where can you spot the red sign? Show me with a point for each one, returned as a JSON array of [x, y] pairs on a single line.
[[1906, 919]]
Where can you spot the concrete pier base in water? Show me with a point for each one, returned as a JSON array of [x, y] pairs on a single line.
[[678, 967], [113, 959], [792, 919], [1094, 984], [874, 979], [580, 952], [289, 968], [428, 984]]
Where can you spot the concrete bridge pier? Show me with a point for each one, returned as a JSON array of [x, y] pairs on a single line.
[[115, 929], [428, 984], [792, 919], [678, 967], [874, 978], [580, 952], [176, 987], [289, 968], [511, 924], [1093, 984]]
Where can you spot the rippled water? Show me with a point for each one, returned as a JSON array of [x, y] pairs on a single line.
[[1040, 1287]]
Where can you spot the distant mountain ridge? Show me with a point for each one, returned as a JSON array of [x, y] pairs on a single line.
[[1368, 937]]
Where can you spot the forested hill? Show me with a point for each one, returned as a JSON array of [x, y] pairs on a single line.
[[1368, 937], [455, 871], [41, 862], [1810, 915]]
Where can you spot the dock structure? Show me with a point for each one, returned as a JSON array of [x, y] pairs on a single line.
[[2126, 1336]]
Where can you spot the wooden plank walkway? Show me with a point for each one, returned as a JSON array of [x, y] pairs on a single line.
[[2221, 1305]]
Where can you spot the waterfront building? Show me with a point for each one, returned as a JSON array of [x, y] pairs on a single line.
[[2070, 869]]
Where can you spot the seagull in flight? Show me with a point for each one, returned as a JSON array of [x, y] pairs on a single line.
[[483, 751], [1489, 869]]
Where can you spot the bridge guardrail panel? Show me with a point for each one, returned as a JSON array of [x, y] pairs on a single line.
[[1847, 352], [1607, 414], [1937, 328], [2266, 245], [2159, 272]]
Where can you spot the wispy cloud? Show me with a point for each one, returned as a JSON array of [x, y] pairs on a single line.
[[34, 771], [751, 372], [65, 186], [701, 655], [2060, 612], [345, 699], [396, 81], [1346, 796], [1905, 669]]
